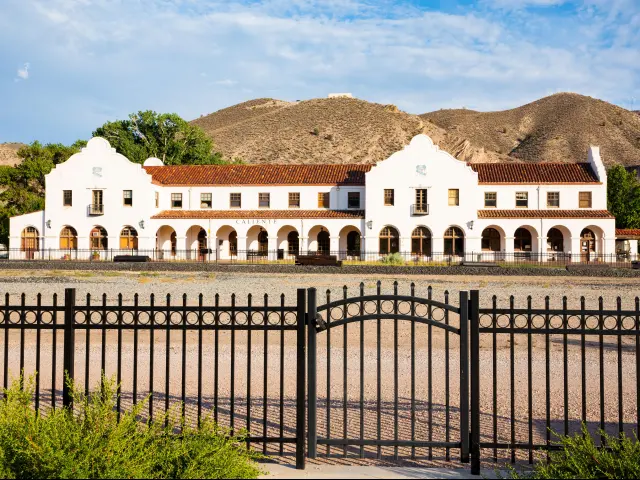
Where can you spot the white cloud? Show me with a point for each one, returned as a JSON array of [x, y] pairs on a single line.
[[167, 54], [226, 82], [23, 72]]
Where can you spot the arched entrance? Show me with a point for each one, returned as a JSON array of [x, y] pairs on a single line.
[[522, 241], [389, 241], [555, 240], [353, 243], [454, 241], [324, 242], [349, 240], [68, 238], [263, 243], [98, 239], [421, 241], [129, 238], [166, 242], [587, 245], [233, 244], [293, 243], [491, 240], [227, 242], [30, 242]]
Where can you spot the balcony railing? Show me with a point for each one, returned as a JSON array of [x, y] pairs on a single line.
[[95, 209], [420, 209]]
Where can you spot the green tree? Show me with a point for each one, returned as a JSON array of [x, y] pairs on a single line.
[[165, 136], [623, 197], [24, 184]]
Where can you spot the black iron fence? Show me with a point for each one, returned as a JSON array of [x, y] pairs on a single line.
[[507, 259], [405, 374]]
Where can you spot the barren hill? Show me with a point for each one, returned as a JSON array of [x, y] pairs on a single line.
[[553, 129], [336, 130], [8, 153]]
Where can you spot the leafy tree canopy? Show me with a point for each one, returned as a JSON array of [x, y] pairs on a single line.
[[162, 135], [623, 197]]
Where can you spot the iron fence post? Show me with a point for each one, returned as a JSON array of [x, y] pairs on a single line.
[[474, 318], [69, 347], [312, 366], [301, 381], [464, 377]]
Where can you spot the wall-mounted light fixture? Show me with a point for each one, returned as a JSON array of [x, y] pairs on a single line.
[[470, 225], [48, 223], [141, 223], [370, 224]]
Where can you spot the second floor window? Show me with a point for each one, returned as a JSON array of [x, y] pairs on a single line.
[[353, 200], [490, 199], [67, 198], [176, 200], [522, 199], [454, 197], [585, 199], [389, 197], [553, 199], [294, 200], [127, 198], [235, 200], [264, 200], [323, 200], [206, 200]]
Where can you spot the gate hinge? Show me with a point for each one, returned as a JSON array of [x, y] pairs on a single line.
[[321, 325]]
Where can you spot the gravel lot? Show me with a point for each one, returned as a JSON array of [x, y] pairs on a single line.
[[128, 283]]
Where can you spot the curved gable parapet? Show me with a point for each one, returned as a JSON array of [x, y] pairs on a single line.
[[422, 150], [98, 154]]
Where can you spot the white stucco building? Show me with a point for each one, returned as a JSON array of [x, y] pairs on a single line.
[[421, 202]]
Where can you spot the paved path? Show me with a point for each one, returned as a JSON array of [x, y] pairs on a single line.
[[341, 471]]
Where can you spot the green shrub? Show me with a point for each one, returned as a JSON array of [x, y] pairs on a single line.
[[393, 259], [92, 443], [581, 458]]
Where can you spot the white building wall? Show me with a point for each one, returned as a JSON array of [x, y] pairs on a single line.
[[420, 165]]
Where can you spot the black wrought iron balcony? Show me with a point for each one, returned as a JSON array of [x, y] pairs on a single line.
[[420, 209], [95, 209]]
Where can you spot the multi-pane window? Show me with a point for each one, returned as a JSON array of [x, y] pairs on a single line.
[[127, 198], [157, 200], [353, 200], [294, 199], [585, 199], [323, 200], [553, 199], [454, 197], [206, 200], [67, 198], [389, 196], [264, 200], [490, 199], [421, 201], [522, 199], [176, 200], [235, 200]]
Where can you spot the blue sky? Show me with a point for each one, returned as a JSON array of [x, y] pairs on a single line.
[[67, 66]]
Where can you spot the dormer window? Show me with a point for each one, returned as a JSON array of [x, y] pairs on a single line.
[[522, 199], [353, 200]]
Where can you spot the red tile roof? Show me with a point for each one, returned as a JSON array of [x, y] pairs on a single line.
[[248, 214], [488, 173], [628, 232], [534, 173], [525, 213], [259, 174]]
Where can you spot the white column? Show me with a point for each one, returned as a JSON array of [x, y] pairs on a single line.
[[272, 246], [334, 244], [437, 248], [372, 247], [242, 248], [575, 249]]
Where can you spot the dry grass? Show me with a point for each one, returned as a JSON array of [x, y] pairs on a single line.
[[553, 129], [337, 130], [8, 153]]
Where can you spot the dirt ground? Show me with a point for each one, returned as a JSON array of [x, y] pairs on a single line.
[[353, 366]]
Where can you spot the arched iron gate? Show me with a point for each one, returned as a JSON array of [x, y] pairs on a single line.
[[389, 426]]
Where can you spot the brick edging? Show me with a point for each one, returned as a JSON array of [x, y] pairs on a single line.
[[292, 269]]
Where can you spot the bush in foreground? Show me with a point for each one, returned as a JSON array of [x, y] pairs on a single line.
[[92, 443], [581, 458]]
